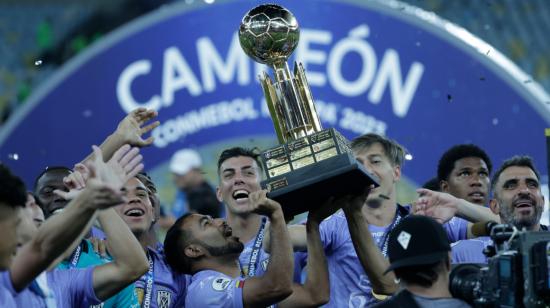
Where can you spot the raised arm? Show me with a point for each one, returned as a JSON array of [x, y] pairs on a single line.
[[58, 232], [316, 289], [129, 131], [443, 206], [129, 260], [276, 284], [370, 256]]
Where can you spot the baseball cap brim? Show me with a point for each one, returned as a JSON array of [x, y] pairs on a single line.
[[418, 260]]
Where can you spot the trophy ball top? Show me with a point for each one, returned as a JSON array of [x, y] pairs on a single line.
[[269, 34]]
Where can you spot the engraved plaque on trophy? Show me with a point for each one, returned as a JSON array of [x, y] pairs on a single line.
[[311, 164]]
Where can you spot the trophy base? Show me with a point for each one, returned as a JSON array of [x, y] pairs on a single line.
[[310, 186]]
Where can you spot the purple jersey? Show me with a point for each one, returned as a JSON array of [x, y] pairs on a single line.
[[73, 287], [38, 294], [7, 292], [213, 289], [457, 229], [470, 251], [168, 287], [262, 258], [349, 285]]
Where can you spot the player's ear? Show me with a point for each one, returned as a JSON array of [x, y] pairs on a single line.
[[194, 251]]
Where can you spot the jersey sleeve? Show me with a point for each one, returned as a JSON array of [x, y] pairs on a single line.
[[216, 291], [457, 229]]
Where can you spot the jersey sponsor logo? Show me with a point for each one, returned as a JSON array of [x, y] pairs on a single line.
[[220, 284], [163, 299]]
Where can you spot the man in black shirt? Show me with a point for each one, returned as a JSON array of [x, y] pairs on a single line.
[[419, 253]]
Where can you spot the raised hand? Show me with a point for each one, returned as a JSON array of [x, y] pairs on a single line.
[[329, 207], [124, 165], [438, 205], [75, 182], [131, 129], [261, 204], [100, 195]]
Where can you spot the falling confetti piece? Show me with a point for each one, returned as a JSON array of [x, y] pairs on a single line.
[[13, 156], [38, 62], [488, 51], [449, 98]]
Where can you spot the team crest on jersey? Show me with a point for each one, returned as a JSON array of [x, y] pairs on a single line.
[[220, 284], [163, 299], [265, 263]]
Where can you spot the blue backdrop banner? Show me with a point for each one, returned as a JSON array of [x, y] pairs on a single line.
[[385, 68]]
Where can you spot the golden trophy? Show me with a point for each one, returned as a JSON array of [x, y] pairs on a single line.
[[311, 164]]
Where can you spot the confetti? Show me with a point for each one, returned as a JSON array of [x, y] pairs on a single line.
[[449, 98], [37, 62]]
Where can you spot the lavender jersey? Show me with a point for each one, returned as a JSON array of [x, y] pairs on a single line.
[[457, 229], [214, 289], [261, 263], [7, 292], [37, 295], [73, 287], [168, 287], [263, 260], [349, 285], [470, 251]]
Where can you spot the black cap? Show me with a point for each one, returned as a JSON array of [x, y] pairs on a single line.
[[417, 240]]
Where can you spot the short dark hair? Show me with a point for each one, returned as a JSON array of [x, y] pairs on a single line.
[[422, 275], [432, 184], [12, 189], [150, 185], [393, 150], [448, 159], [49, 169], [174, 244], [515, 161], [239, 151]]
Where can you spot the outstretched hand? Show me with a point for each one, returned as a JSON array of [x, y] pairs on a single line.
[[438, 205], [131, 129], [125, 164], [75, 182]]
